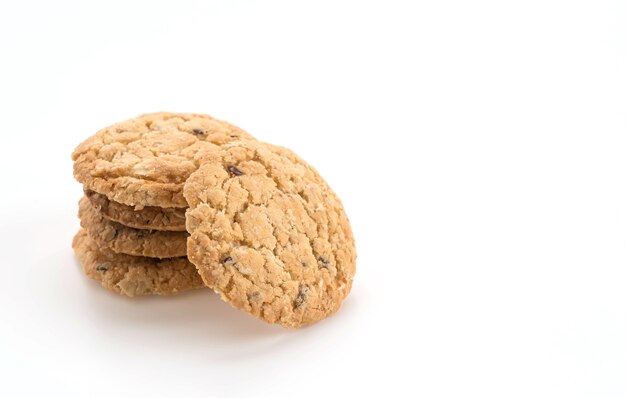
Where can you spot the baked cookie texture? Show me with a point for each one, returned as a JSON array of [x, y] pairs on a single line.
[[134, 276], [149, 217], [125, 240], [146, 160], [268, 234]]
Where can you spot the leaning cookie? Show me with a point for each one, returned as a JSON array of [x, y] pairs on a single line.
[[148, 217], [145, 161], [134, 276], [269, 235], [125, 240]]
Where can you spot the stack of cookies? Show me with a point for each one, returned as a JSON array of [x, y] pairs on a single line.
[[175, 202]]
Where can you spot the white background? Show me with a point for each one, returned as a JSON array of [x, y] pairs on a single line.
[[479, 149]]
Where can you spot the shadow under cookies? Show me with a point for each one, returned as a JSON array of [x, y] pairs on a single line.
[[197, 320]]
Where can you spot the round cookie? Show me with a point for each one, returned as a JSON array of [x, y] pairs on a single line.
[[149, 217], [145, 161], [134, 276], [125, 240], [269, 235]]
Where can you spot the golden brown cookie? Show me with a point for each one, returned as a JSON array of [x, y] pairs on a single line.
[[134, 276], [145, 161], [269, 235], [125, 240], [148, 217]]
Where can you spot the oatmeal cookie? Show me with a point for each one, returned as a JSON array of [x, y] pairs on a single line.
[[145, 161], [269, 235]]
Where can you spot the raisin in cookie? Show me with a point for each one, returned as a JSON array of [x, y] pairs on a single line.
[[148, 217], [125, 240], [145, 161], [269, 235], [134, 276]]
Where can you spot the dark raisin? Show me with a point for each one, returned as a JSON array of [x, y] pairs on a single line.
[[325, 263], [305, 265], [301, 297], [102, 268], [198, 132], [234, 171], [234, 136], [227, 260]]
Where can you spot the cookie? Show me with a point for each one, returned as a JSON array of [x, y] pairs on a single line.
[[149, 217], [269, 235], [145, 161], [125, 240], [134, 276]]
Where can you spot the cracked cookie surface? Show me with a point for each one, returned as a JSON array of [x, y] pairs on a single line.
[[125, 240], [134, 276], [148, 217], [145, 161], [269, 235]]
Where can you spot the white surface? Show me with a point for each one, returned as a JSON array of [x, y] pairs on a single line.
[[478, 148]]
